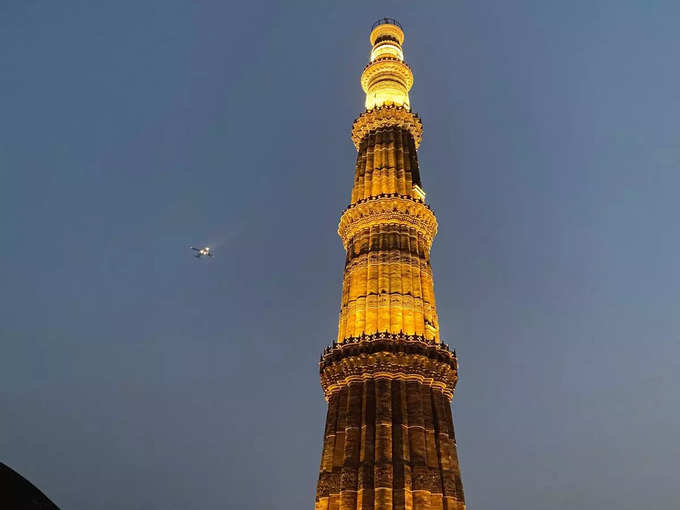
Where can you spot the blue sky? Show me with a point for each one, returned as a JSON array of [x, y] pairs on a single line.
[[134, 376]]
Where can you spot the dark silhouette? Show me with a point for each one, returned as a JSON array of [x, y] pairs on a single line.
[[17, 493]]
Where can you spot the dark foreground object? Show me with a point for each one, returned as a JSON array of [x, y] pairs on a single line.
[[17, 493]]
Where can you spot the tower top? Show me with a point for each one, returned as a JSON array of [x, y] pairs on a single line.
[[386, 21], [387, 27], [387, 79]]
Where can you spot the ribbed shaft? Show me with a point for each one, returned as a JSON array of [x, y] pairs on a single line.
[[387, 163], [388, 284], [389, 445], [389, 442]]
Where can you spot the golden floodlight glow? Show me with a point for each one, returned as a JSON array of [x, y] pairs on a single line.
[[389, 441], [387, 50], [387, 79]]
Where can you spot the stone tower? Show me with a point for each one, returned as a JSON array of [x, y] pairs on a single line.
[[388, 379]]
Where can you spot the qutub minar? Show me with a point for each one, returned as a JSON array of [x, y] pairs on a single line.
[[388, 379]]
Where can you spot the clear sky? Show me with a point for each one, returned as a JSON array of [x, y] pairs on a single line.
[[135, 376]]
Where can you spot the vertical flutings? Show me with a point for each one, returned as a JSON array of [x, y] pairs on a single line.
[[389, 441]]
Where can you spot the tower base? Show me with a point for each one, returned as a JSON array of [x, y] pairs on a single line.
[[389, 440]]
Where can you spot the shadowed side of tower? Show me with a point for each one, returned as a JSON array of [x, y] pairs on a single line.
[[389, 441]]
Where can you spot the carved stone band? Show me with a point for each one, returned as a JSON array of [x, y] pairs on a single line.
[[388, 257], [388, 210], [387, 357], [390, 68], [383, 116]]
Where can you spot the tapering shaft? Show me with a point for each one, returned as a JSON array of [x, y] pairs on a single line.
[[387, 163], [389, 441], [388, 284]]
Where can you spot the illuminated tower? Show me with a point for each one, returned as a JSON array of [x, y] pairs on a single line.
[[388, 379]]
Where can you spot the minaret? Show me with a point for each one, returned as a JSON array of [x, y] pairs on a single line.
[[388, 379]]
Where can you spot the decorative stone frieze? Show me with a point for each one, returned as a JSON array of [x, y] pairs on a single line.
[[392, 67], [383, 116], [399, 210], [390, 356], [362, 261]]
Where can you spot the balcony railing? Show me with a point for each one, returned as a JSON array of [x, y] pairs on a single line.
[[386, 21]]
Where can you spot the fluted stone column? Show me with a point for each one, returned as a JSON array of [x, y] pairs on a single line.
[[389, 441]]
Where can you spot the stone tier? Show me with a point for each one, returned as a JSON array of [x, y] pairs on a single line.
[[389, 356], [386, 209], [386, 67], [389, 441], [384, 116]]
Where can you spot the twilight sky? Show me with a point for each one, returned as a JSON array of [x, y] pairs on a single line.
[[133, 376]]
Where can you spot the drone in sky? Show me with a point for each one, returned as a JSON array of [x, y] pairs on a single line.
[[202, 252]]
